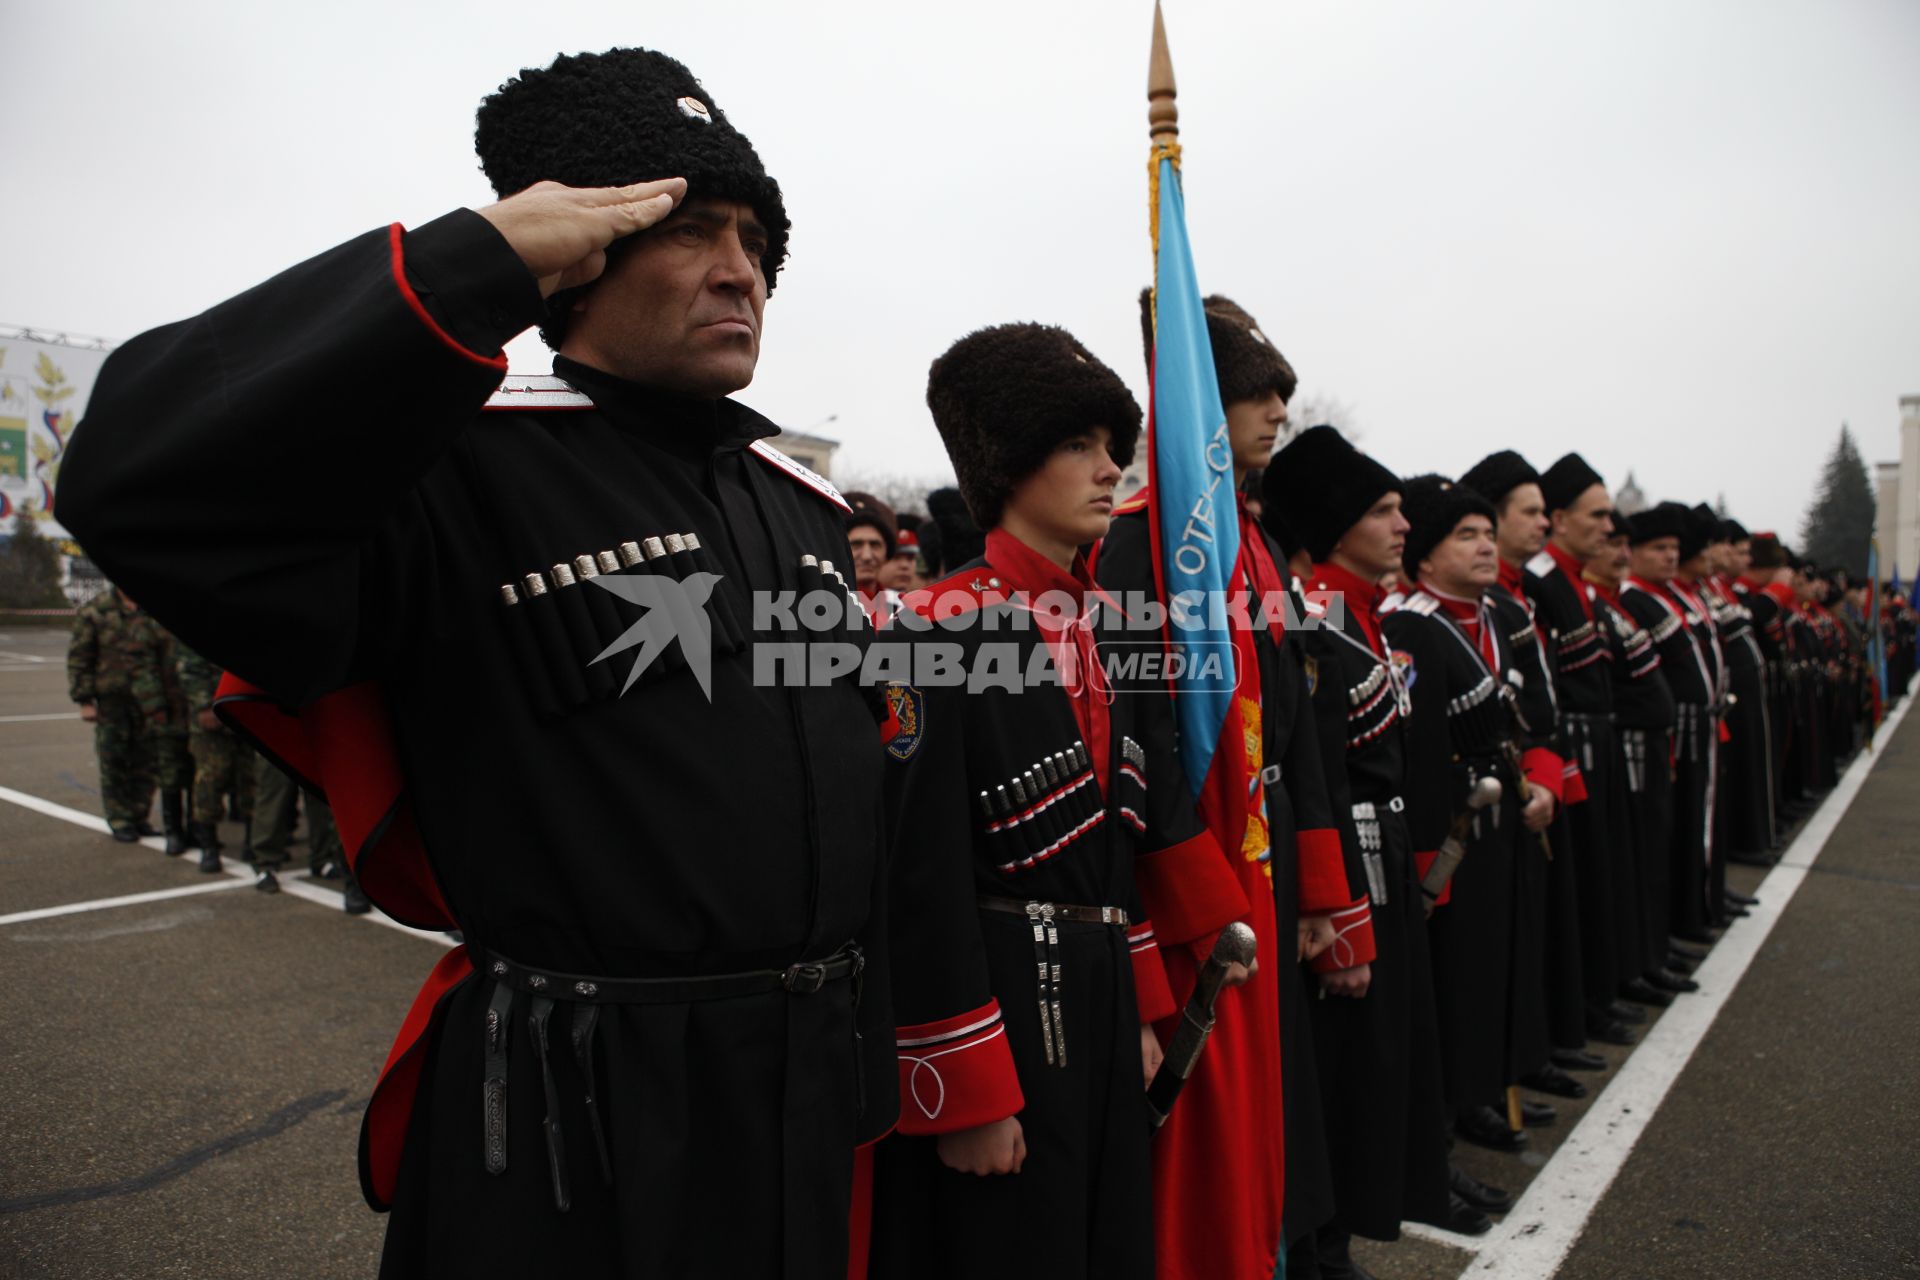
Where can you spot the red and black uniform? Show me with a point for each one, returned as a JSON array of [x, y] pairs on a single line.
[[1380, 1055], [369, 513], [1455, 663], [1259, 1074], [1680, 637], [1643, 710], [1010, 801], [1769, 632], [1583, 679], [1747, 796], [1549, 1001]]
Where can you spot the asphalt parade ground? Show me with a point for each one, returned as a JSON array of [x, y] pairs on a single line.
[[183, 1061]]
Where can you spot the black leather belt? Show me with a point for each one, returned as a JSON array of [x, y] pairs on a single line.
[[1061, 910], [802, 979], [586, 995]]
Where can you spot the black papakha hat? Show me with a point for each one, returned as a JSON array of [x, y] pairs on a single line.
[[1435, 506], [1276, 525], [1710, 523], [1768, 552], [1623, 527], [1732, 530], [1321, 486], [1245, 361], [615, 118], [1562, 483], [1668, 520], [1499, 474], [1004, 398], [1698, 527]]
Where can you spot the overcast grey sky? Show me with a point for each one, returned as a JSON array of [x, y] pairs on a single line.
[[1682, 236]]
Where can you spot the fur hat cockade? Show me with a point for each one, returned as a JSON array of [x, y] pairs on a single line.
[[1562, 483], [1434, 506], [1245, 362], [1499, 474], [1006, 397], [1321, 486], [620, 117]]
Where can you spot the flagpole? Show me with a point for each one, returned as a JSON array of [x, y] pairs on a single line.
[[1163, 117]]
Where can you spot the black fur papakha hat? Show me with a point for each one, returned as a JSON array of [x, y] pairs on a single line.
[[615, 118], [1768, 552], [1499, 474], [1668, 520], [1732, 530], [950, 538], [1245, 361], [1562, 483], [1434, 506], [1277, 527], [1699, 527], [1006, 397], [1710, 523], [1321, 486]]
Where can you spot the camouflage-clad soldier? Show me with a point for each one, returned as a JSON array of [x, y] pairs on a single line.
[[111, 675], [171, 756], [221, 762]]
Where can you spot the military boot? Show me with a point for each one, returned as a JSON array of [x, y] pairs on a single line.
[[246, 842], [208, 839], [173, 822]]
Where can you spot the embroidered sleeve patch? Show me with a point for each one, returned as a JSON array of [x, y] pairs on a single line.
[[909, 707]]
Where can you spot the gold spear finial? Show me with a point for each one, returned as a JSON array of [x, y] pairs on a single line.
[[1163, 117]]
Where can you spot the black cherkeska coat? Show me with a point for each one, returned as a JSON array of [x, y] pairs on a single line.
[[1644, 710], [364, 515], [1379, 1055], [1584, 684], [1460, 729], [1023, 774]]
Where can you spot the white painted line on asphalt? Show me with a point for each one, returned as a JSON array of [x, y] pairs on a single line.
[[51, 715], [238, 872], [126, 900], [1534, 1239], [23, 657]]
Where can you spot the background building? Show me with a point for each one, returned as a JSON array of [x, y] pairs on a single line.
[[1896, 490]]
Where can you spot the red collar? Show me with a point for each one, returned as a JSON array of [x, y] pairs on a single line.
[[1027, 571], [1610, 594], [1362, 598], [1514, 578], [1573, 569]]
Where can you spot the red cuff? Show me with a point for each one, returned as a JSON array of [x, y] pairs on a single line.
[[1423, 863], [1545, 768], [1321, 873], [1150, 989], [1575, 787], [1726, 734], [1352, 939], [396, 238], [956, 1073], [1189, 889]]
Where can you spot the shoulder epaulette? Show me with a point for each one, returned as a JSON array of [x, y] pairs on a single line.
[[1393, 603], [1541, 566], [1421, 603], [1138, 502], [805, 475], [537, 391]]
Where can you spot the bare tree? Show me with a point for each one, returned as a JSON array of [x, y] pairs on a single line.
[[901, 492], [1321, 409]]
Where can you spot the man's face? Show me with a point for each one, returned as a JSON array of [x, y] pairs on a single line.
[[1739, 558], [1372, 546], [1583, 528], [869, 552], [680, 307], [1523, 524], [898, 574], [1612, 565], [1069, 500], [1252, 427], [1656, 561], [1465, 562]]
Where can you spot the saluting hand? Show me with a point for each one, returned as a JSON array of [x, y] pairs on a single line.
[[562, 233], [1000, 1147]]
